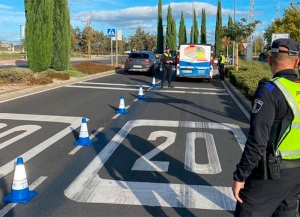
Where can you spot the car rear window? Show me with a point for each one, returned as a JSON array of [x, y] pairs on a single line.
[[139, 55]]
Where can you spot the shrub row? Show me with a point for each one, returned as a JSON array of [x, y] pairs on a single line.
[[90, 68], [247, 77]]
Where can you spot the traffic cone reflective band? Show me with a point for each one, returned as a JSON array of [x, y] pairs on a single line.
[[141, 93], [122, 108], [19, 191], [153, 82], [84, 139]]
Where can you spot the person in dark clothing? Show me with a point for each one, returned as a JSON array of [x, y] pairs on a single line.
[[267, 178], [167, 61], [221, 64]]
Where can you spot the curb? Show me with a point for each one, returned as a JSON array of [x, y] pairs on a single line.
[[32, 90], [243, 100]]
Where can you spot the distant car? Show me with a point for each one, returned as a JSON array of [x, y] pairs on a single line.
[[127, 51], [262, 56], [142, 61]]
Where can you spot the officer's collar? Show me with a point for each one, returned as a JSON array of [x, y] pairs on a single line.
[[285, 72]]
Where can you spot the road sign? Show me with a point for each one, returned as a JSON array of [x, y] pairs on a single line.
[[279, 35], [111, 33], [245, 44]]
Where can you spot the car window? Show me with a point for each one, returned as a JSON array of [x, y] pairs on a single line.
[[139, 55]]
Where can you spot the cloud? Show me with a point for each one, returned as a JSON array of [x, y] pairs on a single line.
[[133, 17], [5, 7]]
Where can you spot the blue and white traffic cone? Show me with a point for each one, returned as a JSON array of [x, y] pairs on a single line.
[[19, 191], [153, 82], [141, 93], [84, 139], [122, 108]]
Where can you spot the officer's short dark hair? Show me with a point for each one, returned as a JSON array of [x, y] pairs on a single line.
[[290, 44]]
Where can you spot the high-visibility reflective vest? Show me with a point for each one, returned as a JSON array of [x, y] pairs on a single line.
[[289, 143], [133, 49], [168, 55], [222, 59]]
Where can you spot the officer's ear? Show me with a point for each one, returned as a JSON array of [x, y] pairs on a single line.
[[296, 63], [270, 60]]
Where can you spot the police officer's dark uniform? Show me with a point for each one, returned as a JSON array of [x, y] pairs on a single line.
[[167, 67], [221, 64], [268, 188]]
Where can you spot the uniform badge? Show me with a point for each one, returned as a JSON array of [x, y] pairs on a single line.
[[257, 105]]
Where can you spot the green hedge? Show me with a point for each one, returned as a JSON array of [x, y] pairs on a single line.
[[247, 77]]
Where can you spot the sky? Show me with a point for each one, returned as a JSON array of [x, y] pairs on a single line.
[[128, 15]]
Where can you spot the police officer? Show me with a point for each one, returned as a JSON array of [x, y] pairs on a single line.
[[167, 61], [267, 178], [133, 49], [221, 63]]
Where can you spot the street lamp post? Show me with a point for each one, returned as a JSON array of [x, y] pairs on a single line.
[[233, 47], [21, 37]]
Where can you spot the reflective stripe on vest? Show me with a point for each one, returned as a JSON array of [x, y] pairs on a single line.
[[222, 59], [289, 143], [168, 55]]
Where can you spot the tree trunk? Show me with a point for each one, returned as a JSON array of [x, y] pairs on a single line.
[[236, 56]]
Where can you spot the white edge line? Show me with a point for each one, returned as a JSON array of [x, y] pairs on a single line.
[[29, 94], [111, 84], [117, 115], [34, 185], [91, 137], [152, 87], [246, 113], [102, 88]]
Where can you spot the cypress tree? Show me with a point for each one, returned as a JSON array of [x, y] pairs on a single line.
[[61, 36], [39, 28], [195, 29], [171, 30], [182, 30], [218, 32], [203, 27], [160, 29]]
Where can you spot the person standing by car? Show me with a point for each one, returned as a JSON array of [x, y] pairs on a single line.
[[267, 178], [221, 63], [133, 49], [167, 61]]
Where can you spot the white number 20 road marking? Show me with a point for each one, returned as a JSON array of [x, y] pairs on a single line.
[[144, 163], [213, 167]]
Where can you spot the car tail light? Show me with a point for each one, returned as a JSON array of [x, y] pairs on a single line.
[[147, 61], [128, 60]]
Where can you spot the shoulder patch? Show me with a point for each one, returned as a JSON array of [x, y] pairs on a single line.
[[257, 104], [270, 87]]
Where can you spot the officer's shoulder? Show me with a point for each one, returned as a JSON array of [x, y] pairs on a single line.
[[265, 88]]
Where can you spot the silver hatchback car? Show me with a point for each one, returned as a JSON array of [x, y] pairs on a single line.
[[142, 61]]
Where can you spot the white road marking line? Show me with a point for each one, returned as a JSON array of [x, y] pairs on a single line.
[[246, 113], [33, 186], [152, 87], [135, 100], [113, 84], [200, 88], [103, 88], [74, 122], [117, 115], [91, 137], [88, 187], [29, 129], [190, 92], [18, 97]]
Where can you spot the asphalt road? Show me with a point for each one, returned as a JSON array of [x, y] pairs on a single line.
[[172, 154]]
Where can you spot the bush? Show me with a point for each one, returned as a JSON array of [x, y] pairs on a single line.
[[41, 80], [55, 74], [246, 79], [74, 73], [15, 75], [90, 68]]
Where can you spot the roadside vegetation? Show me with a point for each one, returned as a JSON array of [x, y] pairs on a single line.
[[18, 75]]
